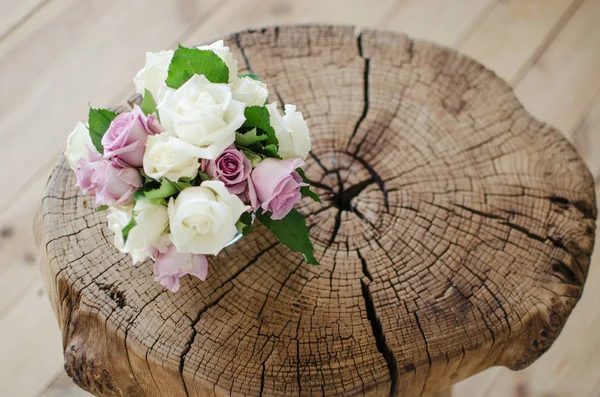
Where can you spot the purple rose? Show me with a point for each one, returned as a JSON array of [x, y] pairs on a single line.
[[275, 186], [85, 171], [125, 140], [114, 184], [232, 168], [107, 181], [171, 265]]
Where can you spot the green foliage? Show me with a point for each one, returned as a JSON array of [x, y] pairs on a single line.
[[148, 105], [249, 138], [251, 75], [99, 121], [258, 117], [128, 228], [156, 190], [183, 183], [253, 157], [244, 224], [292, 232], [187, 62], [305, 190], [257, 134]]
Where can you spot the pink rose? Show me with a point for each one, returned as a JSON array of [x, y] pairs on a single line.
[[106, 180], [171, 265], [85, 171], [232, 168], [275, 186], [114, 184], [153, 125], [125, 140]]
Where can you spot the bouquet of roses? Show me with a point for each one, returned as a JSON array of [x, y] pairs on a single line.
[[188, 171]]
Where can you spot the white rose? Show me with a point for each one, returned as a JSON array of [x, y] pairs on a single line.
[[203, 218], [77, 145], [152, 77], [152, 221], [291, 131], [249, 91], [202, 114], [168, 156], [225, 54]]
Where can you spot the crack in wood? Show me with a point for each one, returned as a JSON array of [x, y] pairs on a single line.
[[366, 71], [262, 381], [365, 267], [426, 348], [343, 200], [378, 180], [238, 41], [420, 171], [318, 161], [214, 302], [380, 339]]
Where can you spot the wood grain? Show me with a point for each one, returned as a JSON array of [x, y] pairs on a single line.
[[456, 236], [17, 213], [17, 276], [570, 368]]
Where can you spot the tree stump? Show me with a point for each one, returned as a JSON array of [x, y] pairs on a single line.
[[456, 235]]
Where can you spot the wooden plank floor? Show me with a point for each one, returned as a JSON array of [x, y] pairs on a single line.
[[56, 56]]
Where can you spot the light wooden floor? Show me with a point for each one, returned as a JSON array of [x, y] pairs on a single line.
[[56, 56]]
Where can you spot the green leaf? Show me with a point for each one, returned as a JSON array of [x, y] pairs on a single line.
[[251, 75], [99, 121], [258, 117], [253, 157], [300, 172], [158, 201], [266, 143], [244, 224], [182, 183], [271, 151], [146, 178], [305, 190], [187, 62], [148, 105], [203, 176], [102, 208], [292, 232], [247, 139], [156, 190], [127, 229]]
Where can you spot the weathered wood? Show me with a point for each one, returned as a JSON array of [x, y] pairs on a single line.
[[184, 24], [456, 235]]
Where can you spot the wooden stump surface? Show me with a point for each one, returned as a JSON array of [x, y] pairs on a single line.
[[456, 235]]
